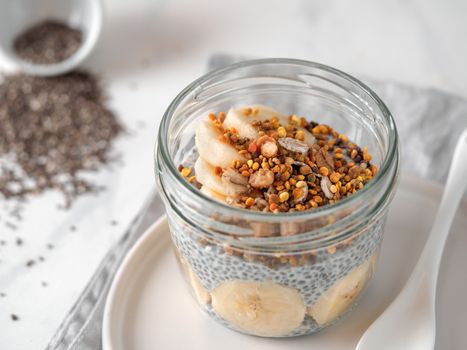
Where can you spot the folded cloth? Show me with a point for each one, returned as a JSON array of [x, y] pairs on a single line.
[[428, 121]]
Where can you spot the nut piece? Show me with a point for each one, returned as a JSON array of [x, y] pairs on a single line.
[[354, 171], [233, 176], [269, 149], [293, 145], [263, 178], [324, 159], [325, 186]]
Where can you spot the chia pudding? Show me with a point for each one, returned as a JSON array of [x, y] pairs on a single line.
[[264, 222]]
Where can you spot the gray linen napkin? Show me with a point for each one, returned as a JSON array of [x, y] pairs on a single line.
[[429, 122]]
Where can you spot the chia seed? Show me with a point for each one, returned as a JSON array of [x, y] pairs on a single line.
[[51, 131], [47, 42]]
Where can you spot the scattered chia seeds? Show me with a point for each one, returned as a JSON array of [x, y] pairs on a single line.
[[30, 263], [19, 242], [14, 317], [47, 42], [52, 130]]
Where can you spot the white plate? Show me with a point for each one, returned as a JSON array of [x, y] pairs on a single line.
[[149, 307]]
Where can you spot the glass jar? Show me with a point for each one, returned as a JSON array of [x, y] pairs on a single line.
[[311, 271]]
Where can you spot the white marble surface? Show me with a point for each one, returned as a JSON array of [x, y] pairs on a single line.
[[149, 50], [418, 42], [415, 41]]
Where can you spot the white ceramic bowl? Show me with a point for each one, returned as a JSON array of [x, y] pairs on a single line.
[[18, 15]]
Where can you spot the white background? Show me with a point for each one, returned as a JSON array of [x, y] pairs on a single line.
[[416, 41]]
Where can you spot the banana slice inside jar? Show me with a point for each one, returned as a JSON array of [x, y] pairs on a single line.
[[261, 308]]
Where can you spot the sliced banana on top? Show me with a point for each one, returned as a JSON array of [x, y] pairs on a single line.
[[261, 308], [309, 138], [342, 294], [229, 183], [213, 194], [237, 119], [212, 149]]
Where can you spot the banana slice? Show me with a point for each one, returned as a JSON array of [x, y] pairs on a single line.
[[264, 309], [342, 294], [212, 149], [213, 194], [230, 183], [237, 119], [309, 138], [202, 294]]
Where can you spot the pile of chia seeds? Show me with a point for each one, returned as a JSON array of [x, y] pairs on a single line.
[[47, 42], [52, 131]]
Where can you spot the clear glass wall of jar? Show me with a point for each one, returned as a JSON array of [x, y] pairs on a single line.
[[305, 277]]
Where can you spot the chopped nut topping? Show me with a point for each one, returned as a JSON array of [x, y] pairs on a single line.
[[282, 173], [324, 159], [263, 178], [234, 177], [269, 149], [293, 145], [325, 186]]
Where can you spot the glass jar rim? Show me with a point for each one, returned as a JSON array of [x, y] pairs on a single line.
[[258, 215]]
